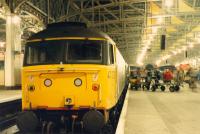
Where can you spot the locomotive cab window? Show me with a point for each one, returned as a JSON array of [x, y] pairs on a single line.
[[85, 51], [111, 55], [65, 51], [45, 52]]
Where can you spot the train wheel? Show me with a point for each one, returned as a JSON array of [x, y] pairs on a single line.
[[177, 88], [51, 128], [93, 121], [140, 86], [162, 88], [143, 87], [132, 87], [136, 87], [171, 88], [107, 129], [148, 86], [44, 127]]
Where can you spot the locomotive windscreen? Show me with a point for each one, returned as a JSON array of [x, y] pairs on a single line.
[[84, 52], [64, 51]]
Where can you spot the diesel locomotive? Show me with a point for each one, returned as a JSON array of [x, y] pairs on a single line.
[[72, 76]]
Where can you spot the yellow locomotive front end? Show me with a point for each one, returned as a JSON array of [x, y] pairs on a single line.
[[71, 76], [69, 87]]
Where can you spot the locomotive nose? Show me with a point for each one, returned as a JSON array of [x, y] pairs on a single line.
[[93, 121]]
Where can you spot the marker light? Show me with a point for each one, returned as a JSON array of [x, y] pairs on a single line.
[[77, 82], [47, 82], [95, 87]]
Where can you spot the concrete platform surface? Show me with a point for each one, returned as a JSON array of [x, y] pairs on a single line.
[[163, 112], [9, 95]]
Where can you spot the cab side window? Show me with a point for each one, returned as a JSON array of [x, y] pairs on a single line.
[[111, 55]]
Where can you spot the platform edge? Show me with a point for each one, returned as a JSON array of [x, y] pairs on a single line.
[[121, 123]]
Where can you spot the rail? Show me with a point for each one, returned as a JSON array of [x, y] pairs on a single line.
[[8, 113]]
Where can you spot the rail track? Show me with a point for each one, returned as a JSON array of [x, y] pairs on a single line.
[[8, 113]]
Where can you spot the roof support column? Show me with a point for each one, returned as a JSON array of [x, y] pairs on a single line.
[[13, 45]]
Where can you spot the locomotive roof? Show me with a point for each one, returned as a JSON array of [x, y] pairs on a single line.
[[64, 29]]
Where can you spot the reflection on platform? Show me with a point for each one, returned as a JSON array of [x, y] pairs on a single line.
[[163, 112], [9, 95]]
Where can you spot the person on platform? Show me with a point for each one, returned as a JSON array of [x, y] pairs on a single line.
[[167, 75]]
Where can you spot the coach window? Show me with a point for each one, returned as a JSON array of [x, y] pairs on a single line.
[[111, 56]]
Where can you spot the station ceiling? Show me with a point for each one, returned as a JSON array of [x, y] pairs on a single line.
[[135, 25]]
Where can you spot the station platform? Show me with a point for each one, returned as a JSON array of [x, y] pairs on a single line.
[[9, 95], [159, 112]]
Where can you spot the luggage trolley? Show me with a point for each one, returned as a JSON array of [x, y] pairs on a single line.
[[134, 78], [170, 79]]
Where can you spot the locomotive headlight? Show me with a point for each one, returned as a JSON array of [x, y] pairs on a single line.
[[77, 82], [47, 82]]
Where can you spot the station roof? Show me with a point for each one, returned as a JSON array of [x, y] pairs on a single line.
[[61, 30], [135, 25]]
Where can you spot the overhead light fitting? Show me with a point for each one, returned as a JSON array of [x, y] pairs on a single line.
[[169, 3], [191, 45], [16, 19], [2, 44], [160, 20]]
